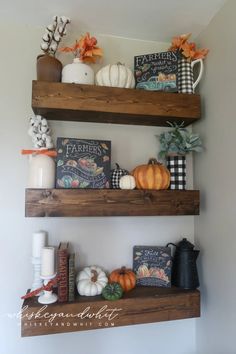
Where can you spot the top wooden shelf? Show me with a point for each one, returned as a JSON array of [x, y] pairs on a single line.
[[100, 104]]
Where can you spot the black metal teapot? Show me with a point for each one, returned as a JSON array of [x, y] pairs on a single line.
[[184, 268]]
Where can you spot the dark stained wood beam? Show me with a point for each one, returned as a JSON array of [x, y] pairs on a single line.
[[87, 103], [109, 202], [141, 305]]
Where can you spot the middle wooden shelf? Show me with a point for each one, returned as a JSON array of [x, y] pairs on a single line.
[[110, 202]]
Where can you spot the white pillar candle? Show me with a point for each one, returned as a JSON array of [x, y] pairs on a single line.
[[48, 261], [39, 241]]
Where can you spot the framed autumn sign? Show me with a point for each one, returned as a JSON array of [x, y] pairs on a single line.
[[83, 163], [157, 71], [152, 265]]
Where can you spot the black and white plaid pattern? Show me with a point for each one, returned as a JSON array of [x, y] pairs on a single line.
[[177, 167], [116, 175], [185, 76]]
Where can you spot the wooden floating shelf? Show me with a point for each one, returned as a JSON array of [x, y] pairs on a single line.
[[100, 104], [141, 305], [110, 202]]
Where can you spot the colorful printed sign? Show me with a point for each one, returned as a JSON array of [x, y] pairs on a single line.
[[157, 71], [152, 265], [83, 163]]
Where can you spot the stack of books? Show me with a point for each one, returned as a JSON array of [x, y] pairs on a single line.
[[66, 272]]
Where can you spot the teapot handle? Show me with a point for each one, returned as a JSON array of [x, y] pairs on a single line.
[[170, 243], [196, 82]]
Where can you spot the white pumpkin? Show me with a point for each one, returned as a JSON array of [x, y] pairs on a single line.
[[116, 75], [127, 182], [91, 280]]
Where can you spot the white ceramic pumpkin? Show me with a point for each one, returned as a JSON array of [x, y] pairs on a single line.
[[90, 281], [127, 182], [116, 75]]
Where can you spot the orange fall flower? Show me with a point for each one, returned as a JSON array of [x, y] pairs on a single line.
[[85, 49], [188, 50]]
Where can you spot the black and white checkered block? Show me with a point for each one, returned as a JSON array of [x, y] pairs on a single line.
[[185, 76], [116, 175], [177, 167]]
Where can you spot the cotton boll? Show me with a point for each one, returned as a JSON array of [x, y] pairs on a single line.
[[44, 136], [65, 19], [60, 30], [53, 47], [49, 145], [32, 120], [48, 138], [57, 37], [44, 122], [50, 28], [46, 37], [40, 143], [44, 129], [44, 46], [36, 124]]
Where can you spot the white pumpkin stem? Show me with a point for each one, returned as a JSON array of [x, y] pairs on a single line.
[[95, 275]]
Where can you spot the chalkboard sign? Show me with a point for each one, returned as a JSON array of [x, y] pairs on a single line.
[[83, 163], [152, 265], [157, 71]]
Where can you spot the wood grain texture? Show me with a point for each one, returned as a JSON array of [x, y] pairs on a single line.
[[141, 305], [87, 103], [109, 202]]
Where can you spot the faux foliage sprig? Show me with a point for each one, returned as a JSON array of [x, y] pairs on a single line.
[[179, 141], [53, 34]]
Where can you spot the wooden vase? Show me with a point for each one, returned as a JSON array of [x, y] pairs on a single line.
[[48, 68]]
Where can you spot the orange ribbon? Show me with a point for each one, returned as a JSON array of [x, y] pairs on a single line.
[[51, 153]]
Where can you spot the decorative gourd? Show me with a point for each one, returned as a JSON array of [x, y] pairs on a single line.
[[127, 182], [152, 176], [112, 291], [116, 75], [116, 174], [90, 281], [125, 277]]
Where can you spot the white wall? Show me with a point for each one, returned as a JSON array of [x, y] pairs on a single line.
[[104, 241], [215, 171]]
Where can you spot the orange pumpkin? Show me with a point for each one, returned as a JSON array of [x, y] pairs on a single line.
[[125, 277], [152, 176]]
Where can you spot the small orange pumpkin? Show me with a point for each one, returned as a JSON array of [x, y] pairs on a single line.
[[125, 277], [152, 176]]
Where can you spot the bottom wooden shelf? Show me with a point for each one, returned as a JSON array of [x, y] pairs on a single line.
[[141, 305]]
